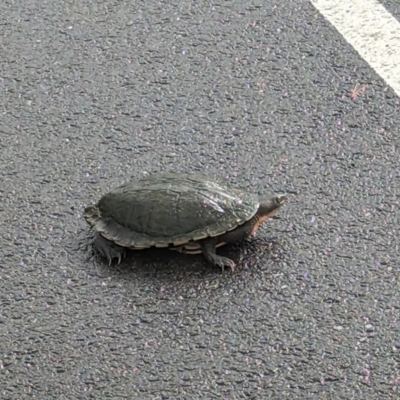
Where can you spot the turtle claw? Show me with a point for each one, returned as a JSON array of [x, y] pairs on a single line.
[[115, 252], [208, 249], [109, 249], [121, 255], [118, 256], [225, 262]]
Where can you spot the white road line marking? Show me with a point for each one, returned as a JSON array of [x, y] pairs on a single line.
[[371, 30]]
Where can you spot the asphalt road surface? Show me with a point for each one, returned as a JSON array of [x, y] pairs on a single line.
[[258, 92]]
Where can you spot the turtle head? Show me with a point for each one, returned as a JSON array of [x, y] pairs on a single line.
[[268, 206]]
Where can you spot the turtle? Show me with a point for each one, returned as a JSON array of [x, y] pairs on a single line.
[[188, 213]]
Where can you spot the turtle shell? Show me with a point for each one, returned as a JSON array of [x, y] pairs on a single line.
[[170, 210]]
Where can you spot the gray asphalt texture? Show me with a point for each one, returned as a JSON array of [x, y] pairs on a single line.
[[393, 7], [257, 92]]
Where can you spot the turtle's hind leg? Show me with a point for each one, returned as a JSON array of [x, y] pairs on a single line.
[[209, 252], [108, 249]]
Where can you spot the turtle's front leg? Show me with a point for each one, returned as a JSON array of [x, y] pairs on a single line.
[[108, 249], [209, 252]]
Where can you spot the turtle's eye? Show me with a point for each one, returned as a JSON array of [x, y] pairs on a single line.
[[280, 198]]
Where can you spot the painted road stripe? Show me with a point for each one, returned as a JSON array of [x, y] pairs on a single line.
[[371, 30]]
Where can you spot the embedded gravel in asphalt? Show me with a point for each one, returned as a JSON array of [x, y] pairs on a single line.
[[257, 92]]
